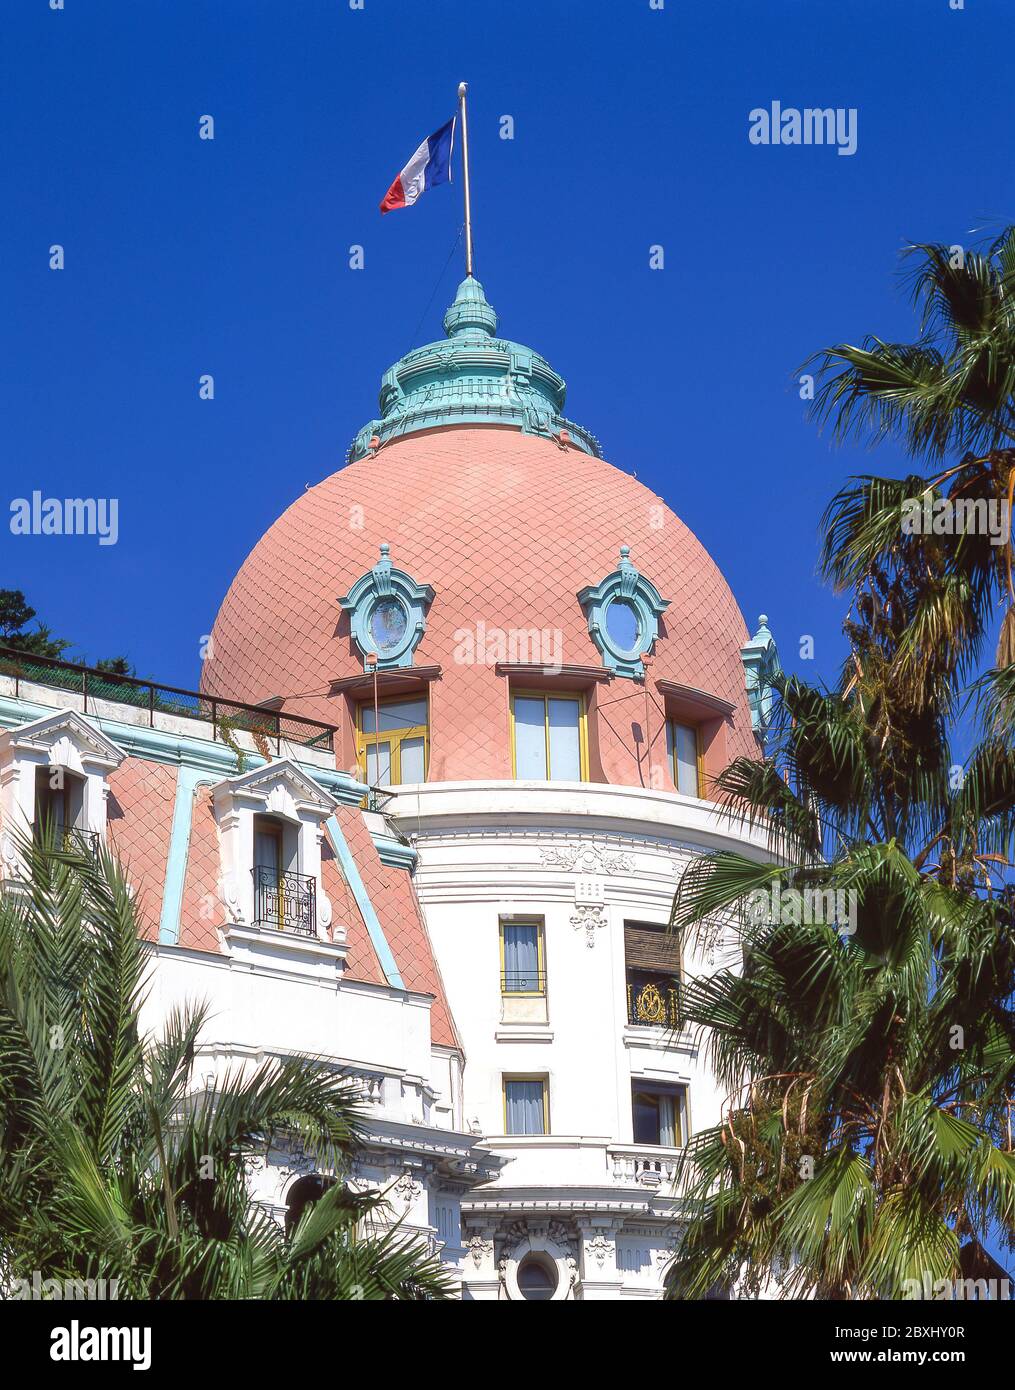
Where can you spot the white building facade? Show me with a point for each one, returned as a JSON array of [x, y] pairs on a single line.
[[456, 741]]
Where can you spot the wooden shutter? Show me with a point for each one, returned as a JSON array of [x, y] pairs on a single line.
[[651, 948]]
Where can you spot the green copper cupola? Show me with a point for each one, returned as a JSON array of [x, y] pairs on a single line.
[[472, 377]]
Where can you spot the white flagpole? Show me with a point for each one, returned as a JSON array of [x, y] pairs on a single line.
[[462, 86]]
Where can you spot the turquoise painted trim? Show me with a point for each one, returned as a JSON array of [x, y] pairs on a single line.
[[385, 584], [760, 657], [366, 907], [188, 779], [395, 853], [625, 585], [345, 789], [208, 755], [155, 744], [471, 377]]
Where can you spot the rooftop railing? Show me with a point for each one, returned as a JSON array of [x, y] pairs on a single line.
[[225, 716]]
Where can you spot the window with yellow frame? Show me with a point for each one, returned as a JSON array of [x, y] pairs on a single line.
[[683, 744], [549, 736], [394, 747], [522, 956], [526, 1105]]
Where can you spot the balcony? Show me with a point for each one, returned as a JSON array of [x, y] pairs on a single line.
[[81, 842], [653, 1001], [645, 1166], [285, 901], [590, 1168]]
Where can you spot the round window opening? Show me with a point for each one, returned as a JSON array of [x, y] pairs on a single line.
[[622, 625], [535, 1281], [387, 623]]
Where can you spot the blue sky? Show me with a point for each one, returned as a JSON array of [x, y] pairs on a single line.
[[230, 257]]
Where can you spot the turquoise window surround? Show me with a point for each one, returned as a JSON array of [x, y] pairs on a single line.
[[637, 605], [387, 611]]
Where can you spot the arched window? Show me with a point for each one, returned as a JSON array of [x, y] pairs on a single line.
[[537, 1279]]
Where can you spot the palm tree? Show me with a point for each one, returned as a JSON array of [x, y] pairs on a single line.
[[950, 395], [867, 1046], [116, 1166]]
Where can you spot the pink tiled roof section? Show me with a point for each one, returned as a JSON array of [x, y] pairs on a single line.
[[394, 900], [201, 910], [507, 527], [361, 962], [140, 819]]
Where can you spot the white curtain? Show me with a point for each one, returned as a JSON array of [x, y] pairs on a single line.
[[667, 1121], [521, 957], [524, 1107]]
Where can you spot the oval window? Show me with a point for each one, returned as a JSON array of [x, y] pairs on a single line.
[[622, 625], [535, 1282], [387, 624]]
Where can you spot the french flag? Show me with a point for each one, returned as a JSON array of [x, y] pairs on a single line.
[[430, 165]]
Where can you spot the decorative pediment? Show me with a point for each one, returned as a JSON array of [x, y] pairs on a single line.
[[387, 613], [67, 739], [279, 788], [623, 613]]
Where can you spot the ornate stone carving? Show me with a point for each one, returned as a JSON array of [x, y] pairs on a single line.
[[565, 1238], [599, 1249], [407, 1188], [297, 1163], [587, 917], [587, 859], [479, 1249]]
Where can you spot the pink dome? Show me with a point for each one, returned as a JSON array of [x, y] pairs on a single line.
[[506, 527]]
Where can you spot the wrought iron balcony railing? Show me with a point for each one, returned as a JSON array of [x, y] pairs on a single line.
[[67, 838], [523, 982], [83, 842], [654, 1002], [285, 901]]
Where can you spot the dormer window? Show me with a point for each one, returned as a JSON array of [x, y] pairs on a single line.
[[53, 771], [272, 824]]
